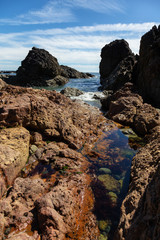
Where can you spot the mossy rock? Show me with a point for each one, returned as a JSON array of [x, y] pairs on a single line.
[[110, 183], [113, 197], [102, 237], [105, 170], [104, 225], [121, 182]]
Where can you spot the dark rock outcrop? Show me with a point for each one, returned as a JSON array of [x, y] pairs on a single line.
[[117, 64], [37, 68], [148, 80], [40, 68], [70, 92], [69, 72]]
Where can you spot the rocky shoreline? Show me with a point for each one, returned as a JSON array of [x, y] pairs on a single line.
[[45, 188]]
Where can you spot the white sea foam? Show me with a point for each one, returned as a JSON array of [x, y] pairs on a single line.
[[89, 96]]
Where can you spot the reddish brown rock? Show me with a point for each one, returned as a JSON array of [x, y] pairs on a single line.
[[65, 212], [50, 113], [16, 208], [126, 107]]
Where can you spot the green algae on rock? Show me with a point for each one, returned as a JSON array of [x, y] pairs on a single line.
[[110, 183]]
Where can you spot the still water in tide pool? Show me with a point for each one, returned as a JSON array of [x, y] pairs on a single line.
[[110, 167]]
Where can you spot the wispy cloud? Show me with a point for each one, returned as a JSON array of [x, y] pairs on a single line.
[[77, 47], [56, 11], [52, 12], [101, 6]]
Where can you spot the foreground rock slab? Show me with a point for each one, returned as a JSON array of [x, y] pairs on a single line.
[[51, 114]]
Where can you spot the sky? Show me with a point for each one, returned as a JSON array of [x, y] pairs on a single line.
[[73, 31]]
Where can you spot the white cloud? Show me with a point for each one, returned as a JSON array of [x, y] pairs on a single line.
[[77, 46], [56, 11]]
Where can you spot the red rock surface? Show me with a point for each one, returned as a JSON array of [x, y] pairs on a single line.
[[49, 113]]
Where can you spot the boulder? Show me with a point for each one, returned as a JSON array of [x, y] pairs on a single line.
[[148, 80], [70, 92], [69, 72], [37, 68], [112, 67]]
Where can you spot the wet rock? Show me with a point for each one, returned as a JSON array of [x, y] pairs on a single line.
[[140, 208], [50, 113], [105, 170], [127, 108], [113, 197], [148, 79], [69, 92], [14, 151], [110, 183], [69, 72]]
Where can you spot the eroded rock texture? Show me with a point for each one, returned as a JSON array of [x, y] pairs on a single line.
[[49, 113]]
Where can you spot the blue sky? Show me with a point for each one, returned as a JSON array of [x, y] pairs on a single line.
[[74, 31]]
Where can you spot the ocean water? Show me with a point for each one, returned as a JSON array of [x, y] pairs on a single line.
[[89, 86]]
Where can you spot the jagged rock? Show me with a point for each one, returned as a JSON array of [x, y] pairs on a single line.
[[122, 73], [70, 92], [55, 116], [69, 72], [127, 108], [39, 68], [14, 151], [149, 65], [141, 208], [116, 64]]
